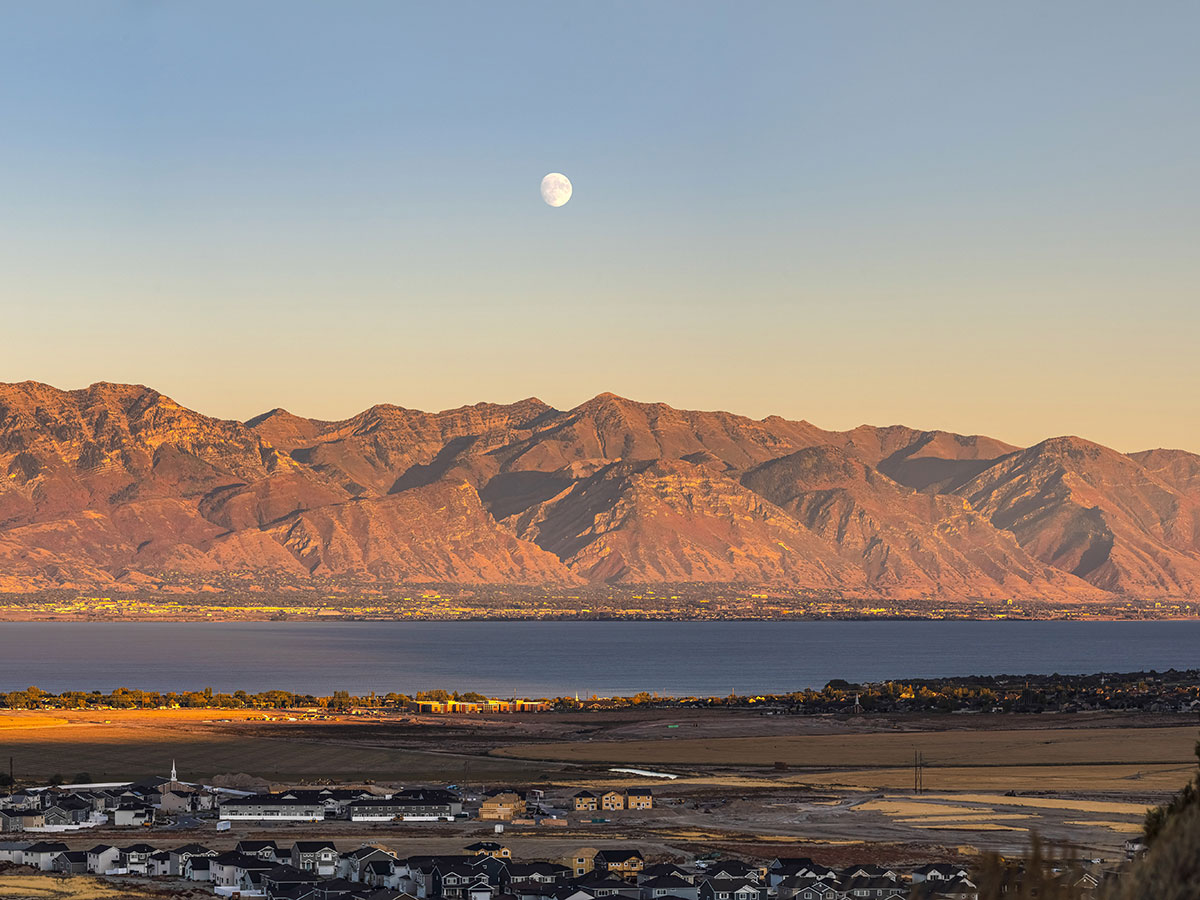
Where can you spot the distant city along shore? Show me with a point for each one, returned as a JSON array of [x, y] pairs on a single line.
[[1167, 692]]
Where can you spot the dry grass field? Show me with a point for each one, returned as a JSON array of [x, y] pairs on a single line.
[[1087, 758], [1036, 747], [113, 745], [1111, 779], [16, 886]]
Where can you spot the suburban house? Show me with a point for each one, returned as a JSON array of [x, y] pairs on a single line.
[[198, 868], [489, 848], [101, 858], [381, 873], [734, 870], [67, 811], [784, 867], [269, 808], [15, 819], [601, 884], [281, 879], [612, 801], [72, 862], [639, 798], [267, 850], [870, 887], [731, 889], [955, 889], [456, 880], [353, 865], [416, 874], [585, 801], [535, 879], [131, 815], [315, 856], [623, 862], [806, 887], [177, 859], [160, 863], [938, 872], [231, 869], [668, 886], [502, 807], [135, 859], [41, 855], [12, 851], [871, 871], [581, 861], [658, 870]]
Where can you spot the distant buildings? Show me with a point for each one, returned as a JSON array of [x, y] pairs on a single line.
[[614, 801], [502, 807], [475, 707]]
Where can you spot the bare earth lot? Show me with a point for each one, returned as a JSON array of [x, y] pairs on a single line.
[[990, 781]]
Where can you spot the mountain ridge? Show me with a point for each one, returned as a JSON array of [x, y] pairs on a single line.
[[119, 487]]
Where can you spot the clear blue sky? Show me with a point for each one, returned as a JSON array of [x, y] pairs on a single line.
[[981, 217]]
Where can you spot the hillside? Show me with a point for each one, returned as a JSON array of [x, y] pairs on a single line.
[[118, 487]]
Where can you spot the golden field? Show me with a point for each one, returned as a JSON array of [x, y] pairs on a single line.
[[113, 745]]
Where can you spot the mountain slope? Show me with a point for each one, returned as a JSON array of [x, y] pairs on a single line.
[[668, 520], [1096, 513], [119, 486], [905, 542]]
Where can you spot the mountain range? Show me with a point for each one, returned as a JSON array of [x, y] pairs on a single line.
[[118, 487]]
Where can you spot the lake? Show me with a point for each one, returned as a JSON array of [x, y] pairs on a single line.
[[539, 658]]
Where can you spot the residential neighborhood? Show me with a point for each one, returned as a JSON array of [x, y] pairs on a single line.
[[44, 827], [321, 870]]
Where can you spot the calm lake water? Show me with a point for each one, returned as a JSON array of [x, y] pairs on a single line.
[[560, 658]]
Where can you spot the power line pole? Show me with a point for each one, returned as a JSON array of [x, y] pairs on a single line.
[[918, 774]]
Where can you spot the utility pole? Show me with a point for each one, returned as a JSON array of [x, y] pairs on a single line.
[[918, 774]]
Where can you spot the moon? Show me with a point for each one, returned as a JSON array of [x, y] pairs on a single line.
[[556, 189]]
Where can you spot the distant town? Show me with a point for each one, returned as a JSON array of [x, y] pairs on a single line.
[[1148, 692], [230, 600]]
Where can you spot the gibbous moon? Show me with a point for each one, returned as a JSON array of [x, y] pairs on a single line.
[[556, 189]]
